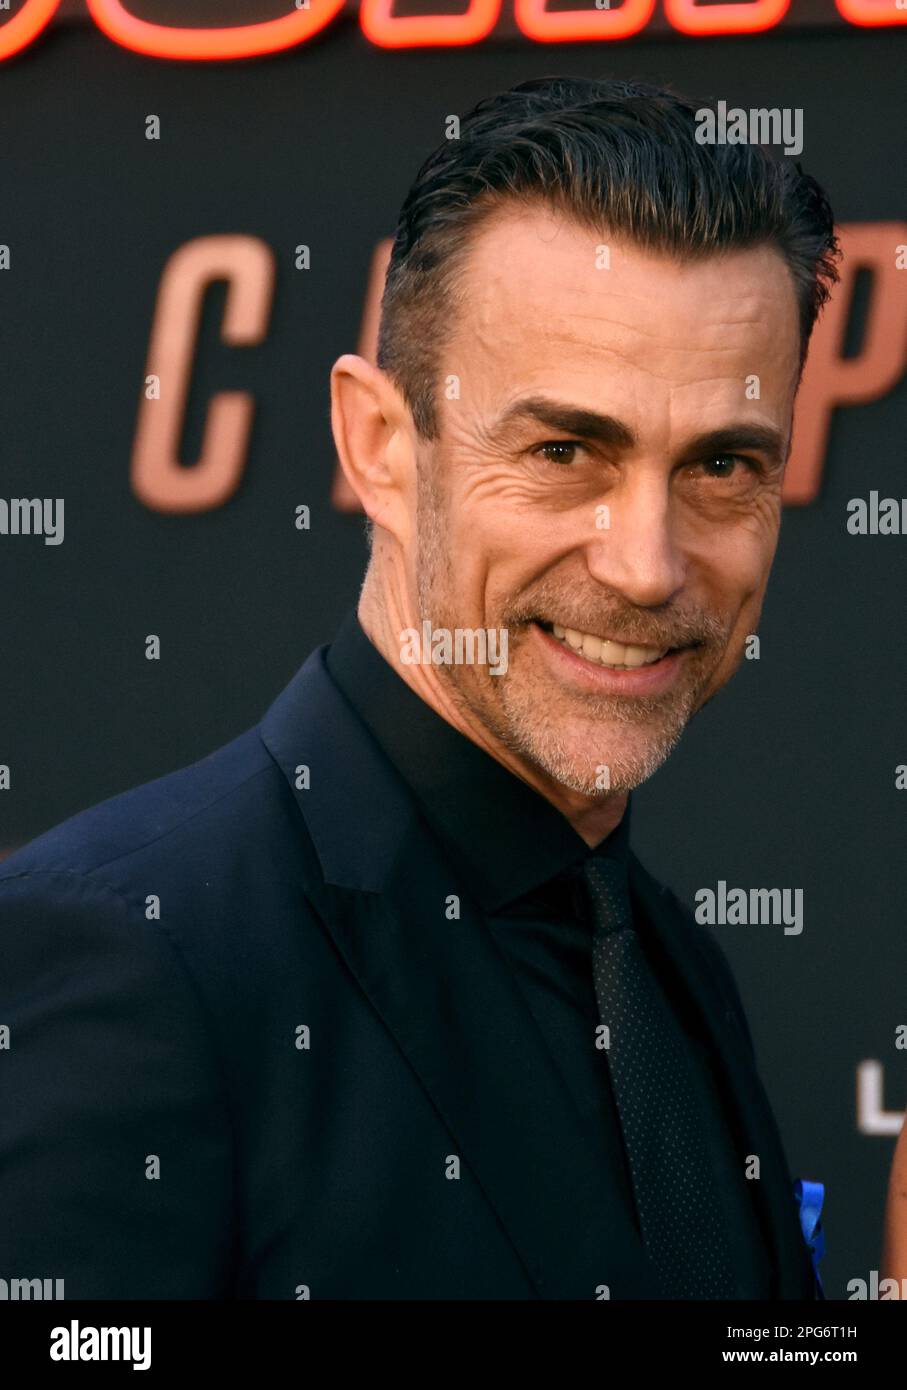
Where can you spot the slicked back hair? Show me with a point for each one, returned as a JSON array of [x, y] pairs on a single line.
[[620, 158]]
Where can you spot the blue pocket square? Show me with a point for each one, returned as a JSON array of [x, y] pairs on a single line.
[[809, 1197]]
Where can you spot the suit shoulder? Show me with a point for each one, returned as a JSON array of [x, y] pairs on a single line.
[[191, 820], [209, 870]]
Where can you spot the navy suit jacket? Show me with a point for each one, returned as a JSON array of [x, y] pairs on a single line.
[[249, 1052]]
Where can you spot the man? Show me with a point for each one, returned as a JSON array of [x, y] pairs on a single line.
[[376, 1002]]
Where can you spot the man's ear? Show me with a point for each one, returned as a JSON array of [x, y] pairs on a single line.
[[373, 435]]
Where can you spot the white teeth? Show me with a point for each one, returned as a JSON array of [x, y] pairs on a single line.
[[603, 652]]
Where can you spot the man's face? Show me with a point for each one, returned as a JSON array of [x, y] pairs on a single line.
[[606, 487]]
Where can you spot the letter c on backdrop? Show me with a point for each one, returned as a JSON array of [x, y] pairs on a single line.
[[158, 478]]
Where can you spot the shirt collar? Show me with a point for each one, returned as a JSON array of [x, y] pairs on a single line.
[[506, 835]]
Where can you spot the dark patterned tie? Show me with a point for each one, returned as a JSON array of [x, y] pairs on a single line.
[[657, 1099]]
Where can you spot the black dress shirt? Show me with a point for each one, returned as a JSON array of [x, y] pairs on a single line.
[[521, 859]]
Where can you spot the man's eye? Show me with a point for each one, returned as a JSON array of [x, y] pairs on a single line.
[[723, 465], [558, 451]]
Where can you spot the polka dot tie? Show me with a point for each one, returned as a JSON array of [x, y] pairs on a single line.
[[654, 1088]]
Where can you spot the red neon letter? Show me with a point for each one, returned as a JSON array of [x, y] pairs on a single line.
[[158, 478], [559, 26], [441, 30], [26, 25], [829, 379], [242, 41], [872, 12], [692, 18]]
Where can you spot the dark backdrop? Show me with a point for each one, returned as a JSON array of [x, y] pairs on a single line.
[[787, 779]]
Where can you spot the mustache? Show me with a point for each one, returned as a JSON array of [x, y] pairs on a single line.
[[622, 623]]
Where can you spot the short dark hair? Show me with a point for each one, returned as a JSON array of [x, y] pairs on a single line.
[[615, 156]]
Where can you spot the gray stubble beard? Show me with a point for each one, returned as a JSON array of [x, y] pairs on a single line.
[[524, 729]]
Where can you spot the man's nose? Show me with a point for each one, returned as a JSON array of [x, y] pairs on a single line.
[[639, 554]]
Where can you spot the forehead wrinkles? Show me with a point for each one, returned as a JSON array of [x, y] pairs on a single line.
[[548, 286], [630, 376], [651, 340], [609, 322]]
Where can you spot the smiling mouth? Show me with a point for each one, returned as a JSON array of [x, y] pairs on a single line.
[[603, 651]]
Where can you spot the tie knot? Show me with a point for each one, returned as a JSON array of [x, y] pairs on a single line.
[[608, 892]]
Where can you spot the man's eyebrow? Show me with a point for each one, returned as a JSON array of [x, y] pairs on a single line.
[[607, 429], [570, 419]]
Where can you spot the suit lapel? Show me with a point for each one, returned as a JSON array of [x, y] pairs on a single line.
[[446, 994], [678, 937]]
